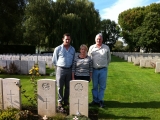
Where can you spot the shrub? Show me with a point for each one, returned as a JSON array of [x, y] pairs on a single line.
[[8, 114], [25, 115], [2, 70], [13, 69]]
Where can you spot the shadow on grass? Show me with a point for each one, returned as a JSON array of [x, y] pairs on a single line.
[[111, 116], [116, 104], [96, 113]]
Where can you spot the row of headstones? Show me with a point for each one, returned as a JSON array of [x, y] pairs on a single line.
[[47, 59], [144, 61], [23, 67], [124, 55], [46, 90]]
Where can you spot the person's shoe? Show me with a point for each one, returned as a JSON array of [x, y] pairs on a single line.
[[66, 104], [101, 104], [93, 103]]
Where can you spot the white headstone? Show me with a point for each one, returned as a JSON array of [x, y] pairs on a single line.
[[3, 63], [18, 65], [157, 69], [1, 95], [24, 67], [11, 93], [42, 67], [46, 97], [9, 62], [79, 97], [30, 65]]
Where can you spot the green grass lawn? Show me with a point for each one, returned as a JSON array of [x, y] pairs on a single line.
[[132, 92]]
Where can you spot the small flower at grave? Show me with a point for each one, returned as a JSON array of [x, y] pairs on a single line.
[[75, 118], [45, 117]]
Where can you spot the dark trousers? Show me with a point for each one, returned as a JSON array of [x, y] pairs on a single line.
[[63, 77]]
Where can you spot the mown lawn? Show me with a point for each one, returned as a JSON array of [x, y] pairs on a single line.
[[132, 92]]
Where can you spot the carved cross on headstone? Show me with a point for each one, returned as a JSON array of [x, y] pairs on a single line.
[[78, 113], [46, 102], [11, 98]]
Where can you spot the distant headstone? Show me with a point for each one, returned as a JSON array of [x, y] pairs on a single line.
[[129, 59], [24, 67], [157, 69], [35, 59], [1, 95], [79, 97], [30, 65], [9, 62], [142, 63], [3, 63], [11, 93], [42, 67], [46, 97], [18, 65]]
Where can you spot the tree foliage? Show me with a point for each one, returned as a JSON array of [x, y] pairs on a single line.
[[110, 31], [11, 16], [46, 21], [140, 27]]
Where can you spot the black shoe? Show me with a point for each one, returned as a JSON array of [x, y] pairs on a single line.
[[93, 103], [101, 104], [66, 104]]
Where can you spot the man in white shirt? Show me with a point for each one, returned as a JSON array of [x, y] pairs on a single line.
[[101, 57]]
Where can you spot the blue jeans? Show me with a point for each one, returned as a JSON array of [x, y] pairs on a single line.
[[99, 80]]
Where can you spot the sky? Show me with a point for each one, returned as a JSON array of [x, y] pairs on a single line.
[[110, 9]]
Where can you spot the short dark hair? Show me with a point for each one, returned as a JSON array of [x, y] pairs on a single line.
[[66, 34]]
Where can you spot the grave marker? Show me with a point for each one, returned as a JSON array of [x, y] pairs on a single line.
[[46, 97], [11, 93], [79, 97], [24, 67], [42, 67], [1, 98]]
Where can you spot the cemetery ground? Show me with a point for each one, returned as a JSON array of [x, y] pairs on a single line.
[[132, 92]]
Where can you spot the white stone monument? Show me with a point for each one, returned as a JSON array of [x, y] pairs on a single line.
[[11, 93], [79, 97], [1, 95], [46, 97]]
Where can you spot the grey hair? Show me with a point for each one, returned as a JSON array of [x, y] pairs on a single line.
[[99, 34]]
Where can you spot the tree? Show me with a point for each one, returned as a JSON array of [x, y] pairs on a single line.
[[118, 46], [110, 31], [11, 16], [150, 32], [46, 21], [140, 27], [36, 23]]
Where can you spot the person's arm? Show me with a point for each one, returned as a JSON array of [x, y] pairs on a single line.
[[73, 69], [73, 76], [55, 57], [90, 68]]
